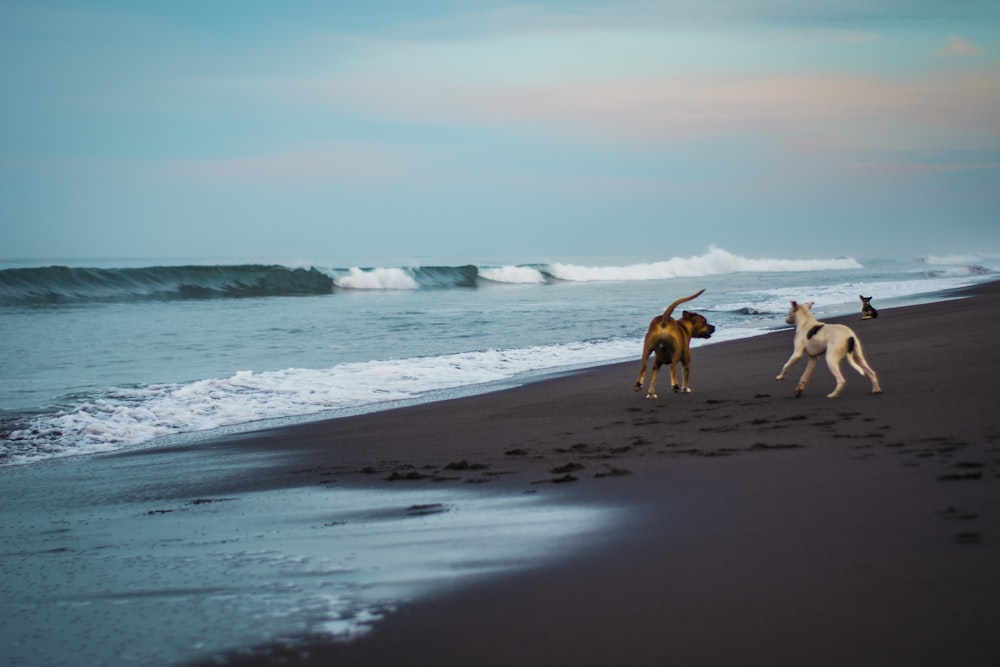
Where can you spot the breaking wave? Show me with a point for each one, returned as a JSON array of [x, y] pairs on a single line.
[[715, 262], [63, 284]]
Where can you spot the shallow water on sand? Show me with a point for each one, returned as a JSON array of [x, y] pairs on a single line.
[[94, 579]]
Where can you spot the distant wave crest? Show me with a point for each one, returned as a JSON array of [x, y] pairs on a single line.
[[973, 259], [376, 279], [513, 274], [62, 284], [715, 262], [405, 278]]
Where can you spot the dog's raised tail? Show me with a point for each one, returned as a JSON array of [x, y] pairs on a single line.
[[854, 355], [670, 308]]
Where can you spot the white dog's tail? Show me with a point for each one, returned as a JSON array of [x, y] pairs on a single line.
[[855, 355], [670, 308]]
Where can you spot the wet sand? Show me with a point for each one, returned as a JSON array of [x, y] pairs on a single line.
[[733, 525]]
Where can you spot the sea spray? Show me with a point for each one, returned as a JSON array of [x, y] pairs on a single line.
[[95, 360]]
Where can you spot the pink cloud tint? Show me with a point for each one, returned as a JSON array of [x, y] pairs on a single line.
[[957, 47]]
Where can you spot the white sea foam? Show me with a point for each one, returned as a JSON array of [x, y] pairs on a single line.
[[715, 262], [376, 279], [126, 417], [512, 274], [960, 259], [832, 298], [529, 329]]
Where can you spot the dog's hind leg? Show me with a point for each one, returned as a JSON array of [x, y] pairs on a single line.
[[833, 363], [652, 377], [642, 373], [673, 378], [647, 349], [664, 355], [857, 359], [685, 375], [801, 386]]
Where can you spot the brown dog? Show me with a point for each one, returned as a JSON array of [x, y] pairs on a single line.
[[670, 339]]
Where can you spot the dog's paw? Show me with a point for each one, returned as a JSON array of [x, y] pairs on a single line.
[[651, 396], [780, 377]]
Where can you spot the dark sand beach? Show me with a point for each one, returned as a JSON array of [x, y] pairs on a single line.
[[744, 526]]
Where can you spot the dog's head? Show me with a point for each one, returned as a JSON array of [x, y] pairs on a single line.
[[700, 328], [806, 309]]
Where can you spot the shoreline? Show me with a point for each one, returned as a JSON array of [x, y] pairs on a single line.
[[219, 404], [745, 526], [461, 392]]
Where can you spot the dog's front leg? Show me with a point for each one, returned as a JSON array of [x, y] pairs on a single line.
[[792, 360]]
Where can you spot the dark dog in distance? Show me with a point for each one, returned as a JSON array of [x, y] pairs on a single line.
[[867, 311]]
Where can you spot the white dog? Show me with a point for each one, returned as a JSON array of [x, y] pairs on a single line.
[[814, 338]]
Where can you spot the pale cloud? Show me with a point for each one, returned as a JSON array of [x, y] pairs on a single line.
[[957, 47], [677, 109], [352, 164], [917, 168], [609, 85], [843, 16], [849, 36]]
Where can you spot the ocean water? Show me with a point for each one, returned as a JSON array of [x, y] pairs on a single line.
[[197, 581], [108, 355]]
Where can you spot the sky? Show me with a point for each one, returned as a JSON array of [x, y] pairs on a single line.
[[466, 130]]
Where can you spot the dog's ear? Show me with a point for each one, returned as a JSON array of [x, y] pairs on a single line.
[[794, 305], [810, 305]]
